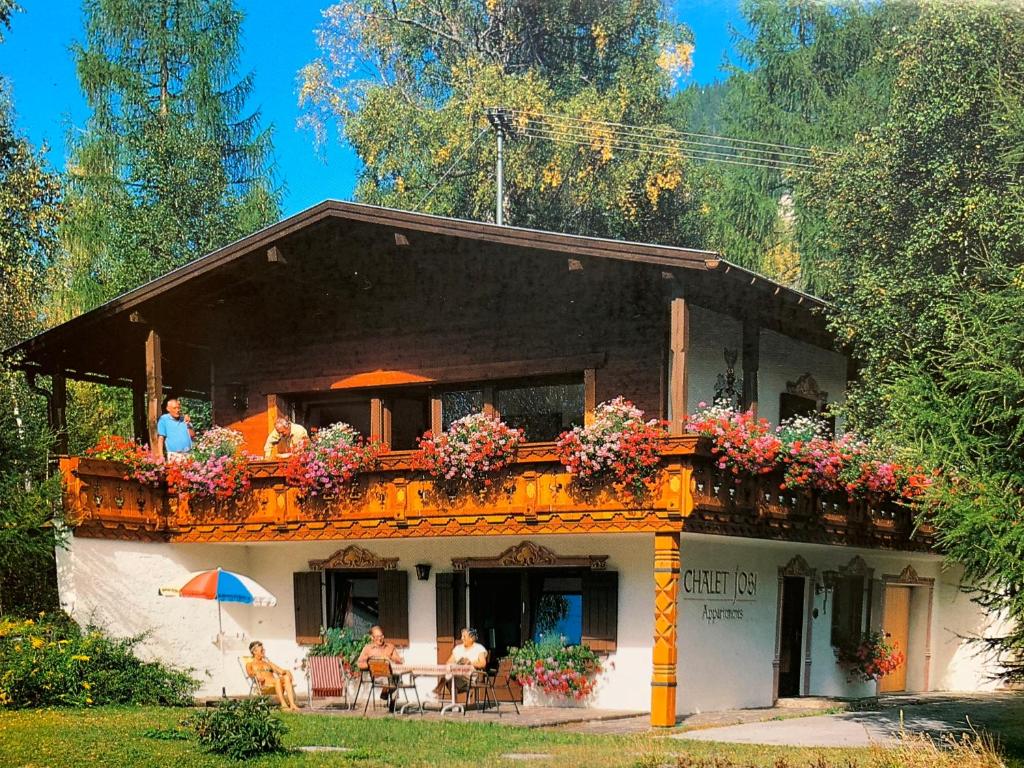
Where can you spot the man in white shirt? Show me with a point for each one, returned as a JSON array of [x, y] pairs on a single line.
[[285, 439], [469, 651]]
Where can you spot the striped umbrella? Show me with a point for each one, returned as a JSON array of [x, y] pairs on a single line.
[[222, 586]]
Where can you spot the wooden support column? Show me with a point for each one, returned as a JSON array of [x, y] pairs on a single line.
[[678, 346], [140, 424], [751, 361], [376, 418], [589, 395], [666, 611], [154, 383], [59, 413]]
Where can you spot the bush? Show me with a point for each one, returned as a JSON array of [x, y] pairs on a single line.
[[51, 661], [239, 729], [341, 642]]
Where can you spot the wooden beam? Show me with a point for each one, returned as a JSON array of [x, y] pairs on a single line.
[[376, 418], [436, 417], [274, 256], [273, 411], [59, 413], [154, 383], [140, 424], [385, 421], [751, 361], [678, 347], [589, 395]]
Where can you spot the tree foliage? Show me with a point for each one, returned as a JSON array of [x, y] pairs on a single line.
[[922, 255], [169, 166], [408, 82]]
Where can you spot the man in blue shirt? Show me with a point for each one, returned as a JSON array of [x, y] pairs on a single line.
[[174, 431]]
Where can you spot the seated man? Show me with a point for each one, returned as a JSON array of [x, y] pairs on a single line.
[[285, 439], [269, 675], [379, 648], [469, 651]]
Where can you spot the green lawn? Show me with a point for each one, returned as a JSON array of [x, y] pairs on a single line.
[[114, 736]]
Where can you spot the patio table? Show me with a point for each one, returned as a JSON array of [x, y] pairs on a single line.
[[448, 671]]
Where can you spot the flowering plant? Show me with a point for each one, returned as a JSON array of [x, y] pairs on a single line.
[[618, 444], [473, 448], [814, 460], [142, 465], [334, 456], [875, 477], [872, 657], [216, 468], [557, 669], [742, 443]]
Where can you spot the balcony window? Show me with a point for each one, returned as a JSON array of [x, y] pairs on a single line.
[[410, 418], [351, 409], [542, 411], [352, 601], [458, 403]]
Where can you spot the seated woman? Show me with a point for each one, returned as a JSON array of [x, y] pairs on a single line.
[[271, 676]]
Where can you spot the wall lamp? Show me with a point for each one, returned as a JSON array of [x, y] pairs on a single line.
[[422, 571], [827, 584]]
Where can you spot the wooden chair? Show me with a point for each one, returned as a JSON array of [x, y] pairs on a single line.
[[487, 683], [382, 678]]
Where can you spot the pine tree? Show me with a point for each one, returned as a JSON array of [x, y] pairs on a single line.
[[169, 166]]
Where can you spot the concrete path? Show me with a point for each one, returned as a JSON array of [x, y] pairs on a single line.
[[1001, 714]]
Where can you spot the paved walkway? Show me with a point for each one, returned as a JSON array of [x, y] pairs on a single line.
[[938, 715]]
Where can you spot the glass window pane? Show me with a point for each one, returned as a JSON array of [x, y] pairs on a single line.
[[543, 412], [560, 614], [455, 405]]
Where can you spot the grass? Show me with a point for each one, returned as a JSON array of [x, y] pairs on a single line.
[[114, 736]]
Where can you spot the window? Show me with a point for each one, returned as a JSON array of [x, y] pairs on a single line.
[[847, 610], [459, 403], [410, 418], [352, 601], [324, 411], [559, 609], [543, 411]]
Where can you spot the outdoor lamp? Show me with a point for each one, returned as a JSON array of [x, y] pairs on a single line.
[[422, 571]]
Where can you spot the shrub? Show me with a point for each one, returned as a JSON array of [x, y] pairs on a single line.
[[618, 445], [473, 449], [335, 455], [340, 642], [217, 468], [51, 661], [557, 669], [239, 729], [142, 465]]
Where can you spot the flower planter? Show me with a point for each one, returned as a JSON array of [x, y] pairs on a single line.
[[534, 697]]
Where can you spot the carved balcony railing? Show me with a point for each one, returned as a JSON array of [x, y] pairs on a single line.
[[535, 495]]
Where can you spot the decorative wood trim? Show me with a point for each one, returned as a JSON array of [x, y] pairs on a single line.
[[355, 558], [530, 555], [665, 653], [797, 566], [806, 386]]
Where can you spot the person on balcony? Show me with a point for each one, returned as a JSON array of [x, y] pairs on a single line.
[[379, 648], [285, 439], [469, 651], [174, 431], [269, 675]]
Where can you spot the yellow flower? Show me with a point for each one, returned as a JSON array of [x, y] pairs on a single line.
[[79, 657], [17, 647], [88, 700], [86, 685], [38, 642]]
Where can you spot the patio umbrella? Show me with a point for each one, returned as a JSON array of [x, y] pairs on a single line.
[[222, 586]]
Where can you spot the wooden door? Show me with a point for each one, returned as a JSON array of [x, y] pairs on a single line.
[[896, 622]]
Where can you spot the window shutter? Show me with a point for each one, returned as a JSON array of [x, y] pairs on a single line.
[[601, 610], [393, 602], [451, 610], [308, 607]]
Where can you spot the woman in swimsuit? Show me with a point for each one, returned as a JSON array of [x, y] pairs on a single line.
[[269, 675]]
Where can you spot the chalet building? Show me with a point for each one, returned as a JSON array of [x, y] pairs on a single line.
[[708, 595]]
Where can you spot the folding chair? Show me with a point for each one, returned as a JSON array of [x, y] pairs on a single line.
[[255, 689], [325, 676], [382, 678]]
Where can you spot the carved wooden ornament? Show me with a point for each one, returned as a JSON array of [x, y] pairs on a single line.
[[528, 554], [355, 558], [796, 567]]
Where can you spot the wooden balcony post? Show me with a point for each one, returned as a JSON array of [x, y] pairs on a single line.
[[140, 423], [589, 395], [679, 344], [666, 610], [59, 413], [751, 361], [154, 383]]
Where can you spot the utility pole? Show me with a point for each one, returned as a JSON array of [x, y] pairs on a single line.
[[502, 124]]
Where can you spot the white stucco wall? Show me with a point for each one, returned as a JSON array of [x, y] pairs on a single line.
[[723, 662], [783, 359]]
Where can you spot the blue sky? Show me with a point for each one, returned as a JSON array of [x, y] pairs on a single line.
[[36, 61]]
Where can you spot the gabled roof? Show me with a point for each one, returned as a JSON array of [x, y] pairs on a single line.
[[672, 258]]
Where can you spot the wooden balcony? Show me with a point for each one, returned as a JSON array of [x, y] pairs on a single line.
[[534, 496]]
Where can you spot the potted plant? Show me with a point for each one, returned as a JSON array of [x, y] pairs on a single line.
[[469, 454], [334, 457], [870, 658], [618, 446], [555, 673], [741, 443], [217, 468]]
